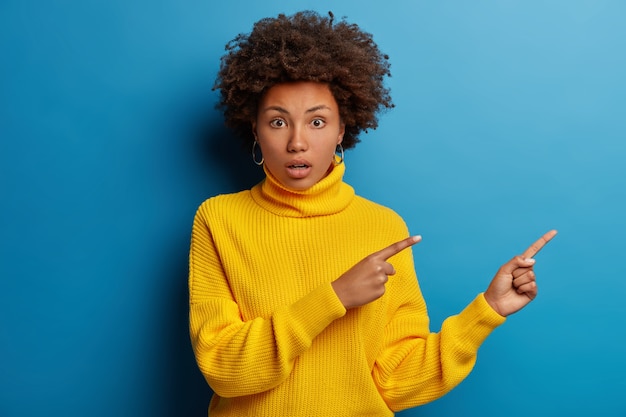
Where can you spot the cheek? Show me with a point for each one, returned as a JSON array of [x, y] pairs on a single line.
[[270, 148]]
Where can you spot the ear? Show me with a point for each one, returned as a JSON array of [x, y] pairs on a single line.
[[253, 123], [342, 131]]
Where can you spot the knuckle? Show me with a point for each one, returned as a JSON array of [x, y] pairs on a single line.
[[380, 292]]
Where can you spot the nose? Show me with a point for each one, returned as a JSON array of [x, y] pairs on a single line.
[[297, 141]]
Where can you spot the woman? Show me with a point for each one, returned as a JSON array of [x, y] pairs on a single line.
[[303, 295]]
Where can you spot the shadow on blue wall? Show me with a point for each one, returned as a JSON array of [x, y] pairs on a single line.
[[227, 160], [186, 391], [224, 161]]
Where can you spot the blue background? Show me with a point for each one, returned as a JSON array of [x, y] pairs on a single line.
[[510, 120]]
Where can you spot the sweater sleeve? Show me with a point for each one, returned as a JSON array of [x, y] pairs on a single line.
[[240, 357], [416, 366]]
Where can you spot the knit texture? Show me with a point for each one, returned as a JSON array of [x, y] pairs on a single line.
[[268, 331]]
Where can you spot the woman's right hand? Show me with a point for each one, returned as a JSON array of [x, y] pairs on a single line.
[[365, 281]]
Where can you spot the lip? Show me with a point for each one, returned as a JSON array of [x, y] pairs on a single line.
[[297, 162], [298, 168]]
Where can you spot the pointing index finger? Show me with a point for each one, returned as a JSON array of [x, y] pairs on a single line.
[[398, 247], [540, 243]]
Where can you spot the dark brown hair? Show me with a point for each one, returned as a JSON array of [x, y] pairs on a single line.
[[305, 47]]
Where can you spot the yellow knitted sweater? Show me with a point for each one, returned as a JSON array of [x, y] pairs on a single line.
[[268, 331]]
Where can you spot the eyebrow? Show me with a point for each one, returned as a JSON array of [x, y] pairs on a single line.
[[311, 110]]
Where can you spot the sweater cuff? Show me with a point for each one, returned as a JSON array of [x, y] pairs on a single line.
[[480, 319], [316, 311]]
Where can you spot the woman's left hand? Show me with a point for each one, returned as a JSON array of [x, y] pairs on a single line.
[[514, 285]]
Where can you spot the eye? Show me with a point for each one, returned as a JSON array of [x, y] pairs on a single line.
[[318, 123], [278, 123]]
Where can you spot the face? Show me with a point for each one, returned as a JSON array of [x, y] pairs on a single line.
[[298, 129]]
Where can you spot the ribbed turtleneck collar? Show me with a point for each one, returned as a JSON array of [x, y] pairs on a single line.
[[330, 195]]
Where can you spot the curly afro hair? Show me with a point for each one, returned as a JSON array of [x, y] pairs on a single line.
[[304, 47]]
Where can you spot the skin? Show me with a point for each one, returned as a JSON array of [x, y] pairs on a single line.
[[514, 285], [511, 289], [298, 128]]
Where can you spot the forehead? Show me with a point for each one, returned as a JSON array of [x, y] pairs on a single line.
[[299, 95]]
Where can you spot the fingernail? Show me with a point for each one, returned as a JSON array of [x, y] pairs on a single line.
[[530, 260]]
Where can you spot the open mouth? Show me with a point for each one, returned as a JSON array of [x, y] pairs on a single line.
[[298, 169]]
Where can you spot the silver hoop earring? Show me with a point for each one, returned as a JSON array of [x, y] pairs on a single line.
[[259, 163], [339, 154]]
